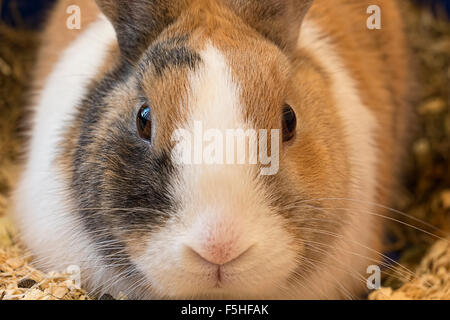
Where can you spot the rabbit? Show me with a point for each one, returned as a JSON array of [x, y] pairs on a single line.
[[102, 188]]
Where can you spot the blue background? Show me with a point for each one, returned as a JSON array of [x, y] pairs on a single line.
[[33, 11]]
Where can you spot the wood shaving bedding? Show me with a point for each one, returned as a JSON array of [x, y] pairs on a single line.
[[20, 281], [431, 281]]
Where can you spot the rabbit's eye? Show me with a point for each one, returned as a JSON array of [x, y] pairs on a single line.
[[289, 123], [144, 122]]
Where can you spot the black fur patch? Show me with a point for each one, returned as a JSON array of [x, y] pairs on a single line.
[[121, 185], [170, 53]]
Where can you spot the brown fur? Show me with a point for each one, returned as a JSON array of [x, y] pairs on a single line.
[[380, 61], [271, 74], [57, 36]]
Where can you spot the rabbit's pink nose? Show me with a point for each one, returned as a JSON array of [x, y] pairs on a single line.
[[219, 253], [218, 240]]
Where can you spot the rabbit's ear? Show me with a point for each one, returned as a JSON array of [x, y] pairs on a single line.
[[278, 20], [139, 22]]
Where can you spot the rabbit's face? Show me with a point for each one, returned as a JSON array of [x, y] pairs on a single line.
[[190, 166]]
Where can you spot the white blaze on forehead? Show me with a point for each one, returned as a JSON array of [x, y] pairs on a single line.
[[214, 108], [215, 97], [214, 102], [216, 127]]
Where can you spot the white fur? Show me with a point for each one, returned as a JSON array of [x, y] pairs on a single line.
[[360, 127], [45, 215]]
